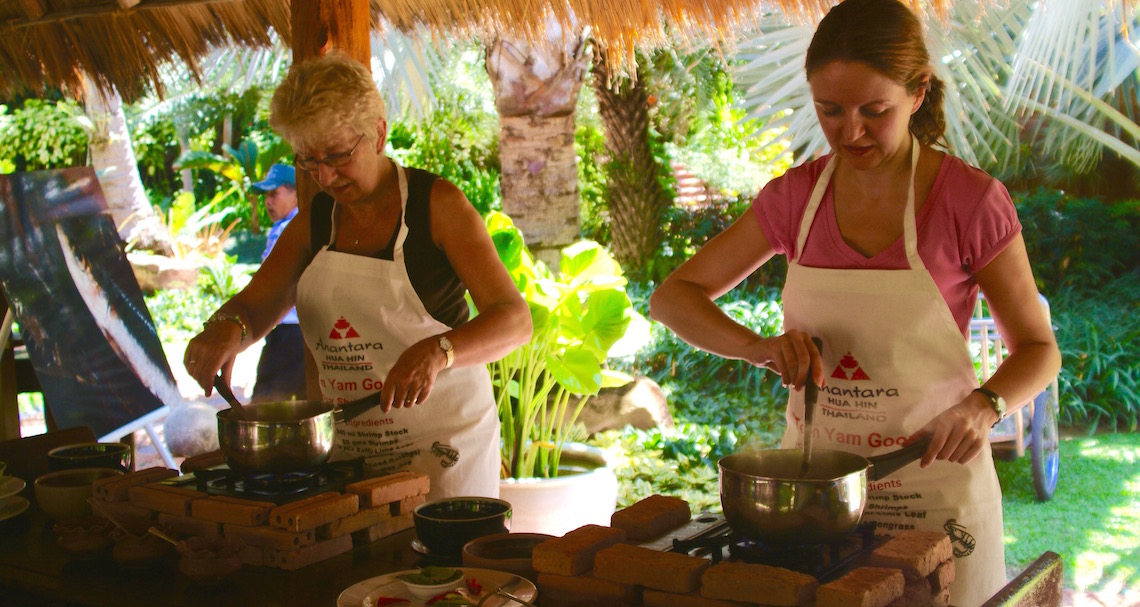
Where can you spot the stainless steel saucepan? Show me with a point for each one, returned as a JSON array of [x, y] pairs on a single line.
[[768, 496], [277, 439]]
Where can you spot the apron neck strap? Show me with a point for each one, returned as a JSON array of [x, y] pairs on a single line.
[[910, 229]]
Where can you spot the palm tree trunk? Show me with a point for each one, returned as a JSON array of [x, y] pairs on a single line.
[[636, 198], [536, 90], [118, 171]]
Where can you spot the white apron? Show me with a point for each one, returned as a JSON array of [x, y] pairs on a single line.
[[894, 359], [358, 314]]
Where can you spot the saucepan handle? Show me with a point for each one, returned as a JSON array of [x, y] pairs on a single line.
[[887, 463], [356, 408]]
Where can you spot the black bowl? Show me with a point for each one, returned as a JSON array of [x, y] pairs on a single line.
[[91, 455], [444, 526]]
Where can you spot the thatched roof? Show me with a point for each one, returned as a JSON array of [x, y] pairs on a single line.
[[51, 43]]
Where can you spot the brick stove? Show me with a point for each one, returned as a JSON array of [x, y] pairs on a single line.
[[284, 524]]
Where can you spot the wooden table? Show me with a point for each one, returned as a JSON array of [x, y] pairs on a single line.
[[36, 572]]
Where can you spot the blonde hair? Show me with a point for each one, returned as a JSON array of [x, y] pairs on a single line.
[[321, 95]]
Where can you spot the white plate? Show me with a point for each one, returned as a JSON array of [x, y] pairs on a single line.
[[10, 485], [13, 506], [391, 587]]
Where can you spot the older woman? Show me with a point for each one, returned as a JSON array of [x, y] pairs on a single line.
[[888, 241], [378, 265]]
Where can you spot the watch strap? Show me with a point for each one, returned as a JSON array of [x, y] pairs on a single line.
[[996, 402]]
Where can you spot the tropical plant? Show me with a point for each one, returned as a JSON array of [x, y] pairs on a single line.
[[242, 167], [636, 195], [459, 138], [1098, 332], [1077, 241], [577, 315], [1088, 93], [40, 134], [198, 232], [223, 277]]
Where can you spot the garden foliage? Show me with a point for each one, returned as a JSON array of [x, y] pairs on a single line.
[[41, 134]]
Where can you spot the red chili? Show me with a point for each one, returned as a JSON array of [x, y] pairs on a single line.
[[437, 598], [474, 586]]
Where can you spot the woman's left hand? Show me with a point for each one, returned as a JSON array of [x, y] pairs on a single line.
[[411, 379], [959, 433]]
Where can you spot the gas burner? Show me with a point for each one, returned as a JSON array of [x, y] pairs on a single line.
[[279, 489], [825, 561]]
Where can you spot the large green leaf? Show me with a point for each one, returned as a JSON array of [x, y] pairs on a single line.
[[509, 245], [577, 369], [246, 156], [608, 316]]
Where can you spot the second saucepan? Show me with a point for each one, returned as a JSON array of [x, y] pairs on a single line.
[[767, 496]]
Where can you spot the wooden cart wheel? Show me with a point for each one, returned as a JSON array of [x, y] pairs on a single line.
[[1044, 446]]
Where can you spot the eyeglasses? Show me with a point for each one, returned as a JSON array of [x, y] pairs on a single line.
[[332, 160]]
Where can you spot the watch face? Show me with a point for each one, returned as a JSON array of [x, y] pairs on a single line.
[[445, 343]]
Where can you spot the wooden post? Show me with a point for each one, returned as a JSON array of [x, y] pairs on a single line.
[[318, 27]]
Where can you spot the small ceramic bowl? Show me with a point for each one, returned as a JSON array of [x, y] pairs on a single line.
[[444, 526], [510, 552], [63, 495], [90, 455], [428, 589]]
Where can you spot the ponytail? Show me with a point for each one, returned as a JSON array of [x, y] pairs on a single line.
[[928, 124]]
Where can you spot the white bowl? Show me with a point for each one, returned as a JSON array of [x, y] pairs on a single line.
[[428, 591], [63, 495]]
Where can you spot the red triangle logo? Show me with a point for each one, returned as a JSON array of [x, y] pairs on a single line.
[[342, 330], [848, 368]]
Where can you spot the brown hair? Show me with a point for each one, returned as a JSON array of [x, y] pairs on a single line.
[[887, 36], [323, 94]]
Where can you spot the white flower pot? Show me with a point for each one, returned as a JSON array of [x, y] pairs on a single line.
[[585, 493]]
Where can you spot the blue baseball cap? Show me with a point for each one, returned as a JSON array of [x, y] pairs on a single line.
[[278, 175]]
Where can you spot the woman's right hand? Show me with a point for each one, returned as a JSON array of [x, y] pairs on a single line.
[[211, 351], [791, 355]]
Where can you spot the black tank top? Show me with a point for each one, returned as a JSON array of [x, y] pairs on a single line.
[[431, 274]]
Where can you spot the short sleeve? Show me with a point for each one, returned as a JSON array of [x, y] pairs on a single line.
[[991, 226], [779, 207]]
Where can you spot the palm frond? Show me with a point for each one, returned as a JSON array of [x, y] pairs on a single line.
[[1077, 64], [969, 47]]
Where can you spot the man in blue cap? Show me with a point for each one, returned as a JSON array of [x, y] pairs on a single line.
[[281, 369]]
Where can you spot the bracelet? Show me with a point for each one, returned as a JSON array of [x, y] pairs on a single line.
[[231, 317]]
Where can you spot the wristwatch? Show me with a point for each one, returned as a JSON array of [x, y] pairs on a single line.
[[996, 401], [448, 350]]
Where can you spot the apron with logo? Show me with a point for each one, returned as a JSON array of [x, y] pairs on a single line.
[[894, 359], [358, 315]]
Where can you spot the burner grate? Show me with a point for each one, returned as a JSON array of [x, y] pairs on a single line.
[[279, 489], [825, 561]]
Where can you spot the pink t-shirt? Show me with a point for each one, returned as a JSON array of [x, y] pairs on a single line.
[[966, 221]]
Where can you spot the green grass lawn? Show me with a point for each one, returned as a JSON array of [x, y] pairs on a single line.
[[1093, 520]]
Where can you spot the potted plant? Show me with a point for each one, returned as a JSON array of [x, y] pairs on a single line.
[[542, 386]]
